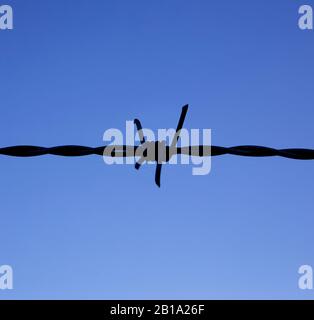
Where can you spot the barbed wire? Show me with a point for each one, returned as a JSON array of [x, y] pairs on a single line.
[[201, 151], [161, 152]]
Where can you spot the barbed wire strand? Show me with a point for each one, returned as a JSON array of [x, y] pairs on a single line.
[[127, 151], [79, 151]]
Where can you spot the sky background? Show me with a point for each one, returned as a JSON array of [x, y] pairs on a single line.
[[75, 228]]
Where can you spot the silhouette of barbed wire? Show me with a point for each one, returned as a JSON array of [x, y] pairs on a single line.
[[131, 151]]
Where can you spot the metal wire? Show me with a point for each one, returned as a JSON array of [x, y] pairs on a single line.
[[79, 151], [126, 150]]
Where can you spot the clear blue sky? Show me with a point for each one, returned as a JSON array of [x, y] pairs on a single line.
[[77, 228]]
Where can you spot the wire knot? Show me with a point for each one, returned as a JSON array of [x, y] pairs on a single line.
[[157, 151]]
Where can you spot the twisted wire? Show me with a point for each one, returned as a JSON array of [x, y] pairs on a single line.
[[125, 151], [157, 150]]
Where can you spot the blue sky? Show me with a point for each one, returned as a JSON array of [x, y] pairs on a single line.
[[75, 228]]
